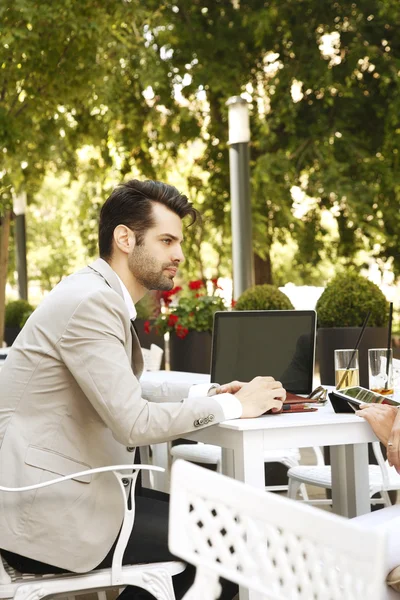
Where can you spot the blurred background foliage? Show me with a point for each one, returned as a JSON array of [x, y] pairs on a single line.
[[92, 93]]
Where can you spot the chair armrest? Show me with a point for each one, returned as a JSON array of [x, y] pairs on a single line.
[[129, 513], [112, 468]]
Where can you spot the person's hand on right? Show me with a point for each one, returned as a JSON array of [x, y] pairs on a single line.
[[260, 395], [381, 417], [393, 445]]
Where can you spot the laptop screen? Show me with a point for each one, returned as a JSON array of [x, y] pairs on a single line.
[[279, 343]]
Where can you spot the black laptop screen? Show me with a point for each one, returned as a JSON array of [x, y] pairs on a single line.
[[279, 343]]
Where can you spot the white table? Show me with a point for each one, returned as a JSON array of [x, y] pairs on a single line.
[[346, 434], [244, 441]]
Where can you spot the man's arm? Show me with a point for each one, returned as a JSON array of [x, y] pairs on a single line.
[[92, 348]]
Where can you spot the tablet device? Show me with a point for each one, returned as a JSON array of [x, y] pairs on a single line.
[[357, 395]]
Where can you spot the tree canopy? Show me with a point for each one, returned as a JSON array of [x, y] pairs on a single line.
[[135, 86]]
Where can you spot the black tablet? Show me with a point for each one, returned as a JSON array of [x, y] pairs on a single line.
[[358, 395]]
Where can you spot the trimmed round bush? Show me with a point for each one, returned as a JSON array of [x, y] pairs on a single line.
[[17, 312], [347, 299], [263, 297]]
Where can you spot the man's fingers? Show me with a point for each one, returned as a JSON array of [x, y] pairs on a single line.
[[276, 405], [260, 378], [273, 385], [232, 387], [280, 393]]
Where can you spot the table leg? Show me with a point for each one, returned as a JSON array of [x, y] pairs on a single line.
[[227, 467], [350, 480], [249, 458], [249, 467], [160, 459]]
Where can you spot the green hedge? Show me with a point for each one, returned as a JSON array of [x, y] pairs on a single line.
[[17, 312], [263, 297], [346, 301]]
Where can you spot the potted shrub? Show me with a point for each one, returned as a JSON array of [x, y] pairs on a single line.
[[16, 314], [263, 297], [341, 310], [188, 317]]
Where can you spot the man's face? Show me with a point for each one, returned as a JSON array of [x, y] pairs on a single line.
[[155, 262]]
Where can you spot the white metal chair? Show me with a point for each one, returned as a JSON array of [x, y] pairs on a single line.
[[269, 544], [382, 478], [208, 454], [154, 577], [152, 357]]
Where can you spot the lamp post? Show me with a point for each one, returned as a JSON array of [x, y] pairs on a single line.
[[19, 207], [239, 167]]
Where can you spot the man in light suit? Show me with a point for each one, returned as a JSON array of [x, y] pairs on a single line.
[[70, 397]]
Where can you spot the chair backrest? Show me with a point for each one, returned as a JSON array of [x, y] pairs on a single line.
[[152, 357], [383, 464], [268, 543]]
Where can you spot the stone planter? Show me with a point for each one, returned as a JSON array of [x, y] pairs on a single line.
[[146, 339], [330, 339], [192, 353]]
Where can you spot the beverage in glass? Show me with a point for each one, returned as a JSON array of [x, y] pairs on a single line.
[[347, 373], [380, 370]]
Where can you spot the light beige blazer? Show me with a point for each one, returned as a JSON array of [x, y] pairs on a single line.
[[70, 400]]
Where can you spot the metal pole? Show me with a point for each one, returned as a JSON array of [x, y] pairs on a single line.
[[20, 242], [239, 166]]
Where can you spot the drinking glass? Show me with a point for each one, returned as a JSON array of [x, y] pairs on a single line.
[[347, 373], [380, 371]]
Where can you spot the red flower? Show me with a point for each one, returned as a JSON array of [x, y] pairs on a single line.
[[175, 290], [215, 283], [147, 327], [166, 296], [198, 295], [181, 332], [233, 304], [196, 285], [172, 320]]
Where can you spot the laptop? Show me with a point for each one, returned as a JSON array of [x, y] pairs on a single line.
[[279, 343]]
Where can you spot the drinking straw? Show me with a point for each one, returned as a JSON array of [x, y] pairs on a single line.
[[389, 344], [367, 316]]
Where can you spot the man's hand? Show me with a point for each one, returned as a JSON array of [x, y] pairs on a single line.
[[230, 388], [381, 417], [259, 395]]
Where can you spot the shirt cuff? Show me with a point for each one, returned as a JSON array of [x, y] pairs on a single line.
[[230, 405]]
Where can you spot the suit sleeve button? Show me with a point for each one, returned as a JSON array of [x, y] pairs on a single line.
[[130, 448], [125, 482], [196, 423], [211, 417]]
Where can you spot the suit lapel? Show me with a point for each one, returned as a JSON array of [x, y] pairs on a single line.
[[102, 267], [137, 356]]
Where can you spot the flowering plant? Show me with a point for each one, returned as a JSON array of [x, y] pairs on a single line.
[[189, 310]]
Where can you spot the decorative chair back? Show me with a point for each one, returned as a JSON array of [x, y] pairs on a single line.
[[156, 578], [267, 543], [383, 464]]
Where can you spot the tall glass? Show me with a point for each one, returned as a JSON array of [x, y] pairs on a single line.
[[347, 373], [380, 370]]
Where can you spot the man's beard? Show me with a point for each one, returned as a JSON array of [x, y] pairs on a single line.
[[148, 271]]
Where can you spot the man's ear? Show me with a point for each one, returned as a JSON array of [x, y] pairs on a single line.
[[124, 238]]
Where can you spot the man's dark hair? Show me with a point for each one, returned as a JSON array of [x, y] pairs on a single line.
[[130, 204]]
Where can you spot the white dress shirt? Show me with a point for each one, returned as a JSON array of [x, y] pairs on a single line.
[[231, 406]]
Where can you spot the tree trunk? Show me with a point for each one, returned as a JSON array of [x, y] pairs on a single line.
[[4, 242], [263, 269]]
